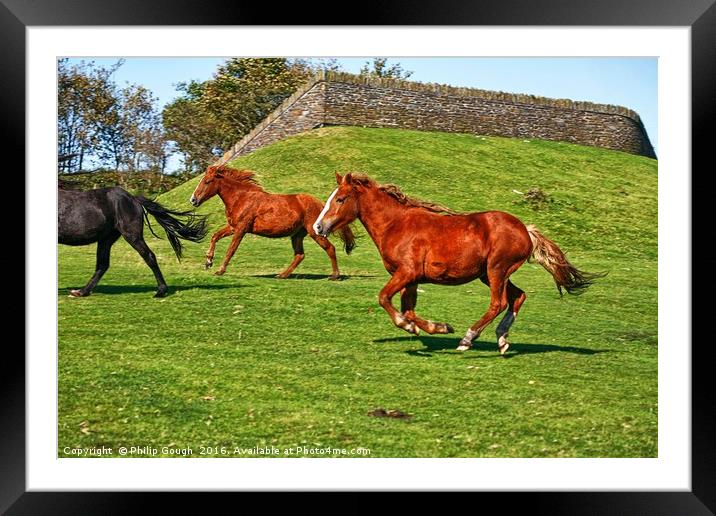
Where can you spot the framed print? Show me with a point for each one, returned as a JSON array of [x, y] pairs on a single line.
[[671, 476]]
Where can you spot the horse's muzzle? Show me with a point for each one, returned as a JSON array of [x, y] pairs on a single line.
[[321, 229], [194, 201]]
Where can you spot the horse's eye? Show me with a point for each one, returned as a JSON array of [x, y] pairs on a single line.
[[207, 181], [340, 200]]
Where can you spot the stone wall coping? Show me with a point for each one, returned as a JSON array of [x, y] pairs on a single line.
[[497, 96]]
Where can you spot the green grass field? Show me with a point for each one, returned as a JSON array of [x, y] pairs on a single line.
[[247, 360]]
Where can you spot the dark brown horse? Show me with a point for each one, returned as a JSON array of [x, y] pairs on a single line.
[[251, 209], [105, 214], [422, 242]]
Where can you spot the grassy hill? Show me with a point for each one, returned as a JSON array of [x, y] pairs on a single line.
[[247, 360]]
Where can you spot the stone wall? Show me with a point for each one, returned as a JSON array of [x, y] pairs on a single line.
[[302, 111], [343, 99]]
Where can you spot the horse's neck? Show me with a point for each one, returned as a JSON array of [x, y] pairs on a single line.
[[377, 212], [230, 192]]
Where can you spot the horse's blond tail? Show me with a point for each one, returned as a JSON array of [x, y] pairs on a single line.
[[550, 256]]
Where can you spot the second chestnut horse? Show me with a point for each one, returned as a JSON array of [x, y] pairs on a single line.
[[422, 242], [251, 209]]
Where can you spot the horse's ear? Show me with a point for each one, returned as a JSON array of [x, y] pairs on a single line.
[[339, 178], [348, 178]]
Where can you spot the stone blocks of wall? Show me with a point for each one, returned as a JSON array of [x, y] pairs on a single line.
[[303, 111], [374, 106], [342, 99]]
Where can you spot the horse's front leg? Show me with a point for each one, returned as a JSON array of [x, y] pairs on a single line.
[[397, 282], [408, 300], [223, 232], [239, 233], [104, 248]]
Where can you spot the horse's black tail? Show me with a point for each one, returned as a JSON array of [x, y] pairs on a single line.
[[193, 228], [551, 257]]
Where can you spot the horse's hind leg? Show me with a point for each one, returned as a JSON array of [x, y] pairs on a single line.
[[408, 300], [297, 243], [497, 280], [104, 247], [515, 298], [327, 246], [139, 245]]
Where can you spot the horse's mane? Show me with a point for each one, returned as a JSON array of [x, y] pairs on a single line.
[[396, 193], [246, 177]]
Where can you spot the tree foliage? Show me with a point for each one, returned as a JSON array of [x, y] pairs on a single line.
[[210, 116], [85, 105], [378, 67], [118, 128]]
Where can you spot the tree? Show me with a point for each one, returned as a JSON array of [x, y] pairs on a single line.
[[111, 136], [189, 128], [117, 127], [130, 133], [327, 64], [141, 126], [85, 99], [211, 116], [379, 68], [156, 149]]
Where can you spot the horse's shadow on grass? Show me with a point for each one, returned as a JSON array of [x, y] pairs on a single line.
[[432, 344], [138, 289], [313, 276]]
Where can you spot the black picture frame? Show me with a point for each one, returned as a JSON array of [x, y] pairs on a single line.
[[699, 15]]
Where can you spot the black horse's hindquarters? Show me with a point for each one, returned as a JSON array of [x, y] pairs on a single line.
[[102, 215]]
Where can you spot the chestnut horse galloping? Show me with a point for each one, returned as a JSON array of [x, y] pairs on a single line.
[[251, 209], [422, 242]]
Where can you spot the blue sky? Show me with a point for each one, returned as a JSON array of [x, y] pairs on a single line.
[[629, 82]]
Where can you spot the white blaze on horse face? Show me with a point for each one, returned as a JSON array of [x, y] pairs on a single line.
[[193, 195], [325, 210]]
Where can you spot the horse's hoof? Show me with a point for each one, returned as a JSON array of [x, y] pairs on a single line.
[[208, 264], [282, 276], [502, 344], [77, 293], [220, 272], [161, 293], [412, 328], [334, 277], [442, 328], [464, 347]]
